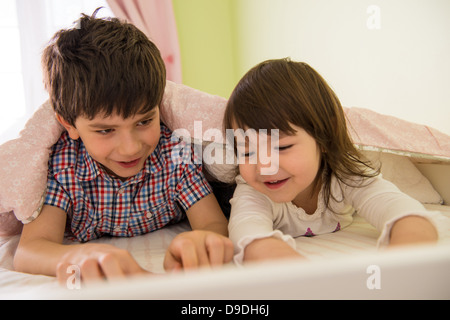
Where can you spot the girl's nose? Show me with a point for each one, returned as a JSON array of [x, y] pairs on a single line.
[[268, 155], [268, 164], [267, 169]]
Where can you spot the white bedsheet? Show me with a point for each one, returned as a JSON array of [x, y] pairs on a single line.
[[357, 239]]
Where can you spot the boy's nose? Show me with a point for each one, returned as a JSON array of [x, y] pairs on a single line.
[[129, 145]]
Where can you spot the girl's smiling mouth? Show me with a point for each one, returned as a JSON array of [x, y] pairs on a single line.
[[275, 184]]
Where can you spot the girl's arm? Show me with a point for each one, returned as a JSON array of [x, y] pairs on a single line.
[[40, 251], [206, 214], [400, 218], [269, 249], [412, 229], [252, 228]]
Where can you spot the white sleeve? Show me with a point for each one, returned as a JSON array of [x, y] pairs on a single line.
[[381, 203], [251, 218]]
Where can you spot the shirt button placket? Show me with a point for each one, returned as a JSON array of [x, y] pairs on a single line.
[[119, 211]]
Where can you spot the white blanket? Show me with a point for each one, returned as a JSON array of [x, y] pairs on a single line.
[[357, 239]]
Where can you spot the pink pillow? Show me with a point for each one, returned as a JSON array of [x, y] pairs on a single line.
[[23, 173], [379, 132]]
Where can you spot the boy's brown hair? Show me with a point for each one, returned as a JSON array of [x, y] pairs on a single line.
[[102, 66], [277, 94]]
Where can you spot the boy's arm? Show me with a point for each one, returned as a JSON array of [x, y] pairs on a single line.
[[207, 215], [207, 244], [40, 251]]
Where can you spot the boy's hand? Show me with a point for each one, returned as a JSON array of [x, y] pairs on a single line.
[[98, 262], [198, 248]]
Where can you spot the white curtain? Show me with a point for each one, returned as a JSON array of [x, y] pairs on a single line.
[[38, 20], [34, 27]]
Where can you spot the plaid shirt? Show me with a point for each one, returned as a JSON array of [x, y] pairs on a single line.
[[99, 204]]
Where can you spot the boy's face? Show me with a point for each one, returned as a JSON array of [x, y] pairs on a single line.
[[120, 145]]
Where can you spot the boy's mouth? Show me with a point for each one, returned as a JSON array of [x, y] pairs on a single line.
[[129, 164], [275, 184]]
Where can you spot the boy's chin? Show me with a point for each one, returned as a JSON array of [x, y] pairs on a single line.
[[122, 174]]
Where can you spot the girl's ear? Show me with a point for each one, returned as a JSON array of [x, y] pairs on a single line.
[[73, 132]]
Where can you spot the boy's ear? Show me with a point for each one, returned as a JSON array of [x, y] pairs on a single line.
[[73, 132]]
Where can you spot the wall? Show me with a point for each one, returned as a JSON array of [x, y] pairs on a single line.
[[400, 68], [391, 56], [207, 44]]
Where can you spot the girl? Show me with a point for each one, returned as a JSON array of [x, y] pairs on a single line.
[[320, 178]]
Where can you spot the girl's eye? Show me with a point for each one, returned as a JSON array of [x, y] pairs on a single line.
[[245, 153], [281, 148]]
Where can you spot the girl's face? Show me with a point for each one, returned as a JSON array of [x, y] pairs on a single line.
[[298, 162]]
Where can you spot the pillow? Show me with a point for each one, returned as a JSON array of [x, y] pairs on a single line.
[[374, 131], [189, 109], [23, 170], [395, 142], [402, 172]]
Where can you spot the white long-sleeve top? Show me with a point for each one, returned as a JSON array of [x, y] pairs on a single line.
[[380, 202]]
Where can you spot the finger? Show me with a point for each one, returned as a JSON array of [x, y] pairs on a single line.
[[186, 252], [171, 264], [120, 264], [220, 250], [189, 258], [202, 256], [229, 250], [110, 267], [131, 267], [216, 249], [91, 271], [62, 273]]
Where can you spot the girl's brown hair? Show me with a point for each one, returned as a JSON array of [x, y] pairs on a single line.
[[102, 66], [277, 94]]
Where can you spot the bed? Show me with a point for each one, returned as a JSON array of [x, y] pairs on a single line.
[[343, 265]]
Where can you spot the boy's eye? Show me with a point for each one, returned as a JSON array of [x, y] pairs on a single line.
[[104, 131], [145, 122]]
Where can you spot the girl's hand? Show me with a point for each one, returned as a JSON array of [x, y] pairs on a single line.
[[411, 230], [198, 248], [269, 249], [96, 262]]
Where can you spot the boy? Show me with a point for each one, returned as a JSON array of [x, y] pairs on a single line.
[[111, 171]]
